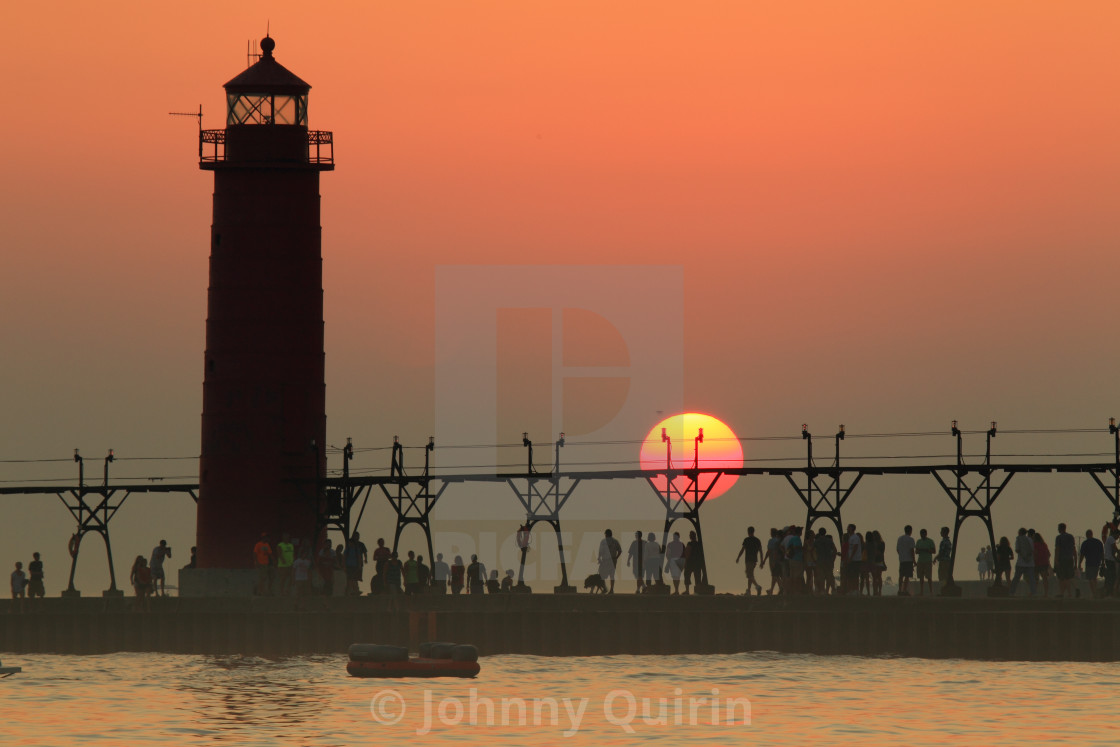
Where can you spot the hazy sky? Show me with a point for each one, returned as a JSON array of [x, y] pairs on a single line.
[[884, 214]]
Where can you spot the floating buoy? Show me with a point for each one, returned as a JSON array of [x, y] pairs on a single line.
[[377, 653], [435, 660], [8, 671]]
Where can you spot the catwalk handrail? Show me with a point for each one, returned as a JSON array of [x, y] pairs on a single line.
[[94, 488], [783, 471], [624, 474]]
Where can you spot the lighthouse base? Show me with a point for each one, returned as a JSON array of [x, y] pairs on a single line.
[[242, 582], [217, 582]]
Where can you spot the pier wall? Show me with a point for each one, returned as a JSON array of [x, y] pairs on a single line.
[[547, 625]]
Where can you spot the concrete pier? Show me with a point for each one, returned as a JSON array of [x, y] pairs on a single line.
[[575, 625]]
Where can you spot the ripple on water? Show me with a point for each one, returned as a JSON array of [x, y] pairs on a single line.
[[150, 698]]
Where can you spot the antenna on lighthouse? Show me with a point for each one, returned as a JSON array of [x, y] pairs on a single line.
[[193, 114], [190, 114], [250, 56]]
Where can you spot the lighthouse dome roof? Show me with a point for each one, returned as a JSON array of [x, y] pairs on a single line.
[[268, 76]]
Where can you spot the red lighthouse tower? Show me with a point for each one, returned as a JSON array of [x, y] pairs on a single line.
[[264, 391]]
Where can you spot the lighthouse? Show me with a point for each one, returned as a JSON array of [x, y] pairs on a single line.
[[264, 390]]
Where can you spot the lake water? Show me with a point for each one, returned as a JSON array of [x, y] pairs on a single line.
[[760, 698]]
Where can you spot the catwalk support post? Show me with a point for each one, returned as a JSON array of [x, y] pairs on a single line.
[[1112, 489], [972, 501], [827, 502], [543, 507], [413, 509], [683, 494], [92, 518]]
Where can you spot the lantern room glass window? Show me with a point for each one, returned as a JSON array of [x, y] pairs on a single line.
[[266, 108]]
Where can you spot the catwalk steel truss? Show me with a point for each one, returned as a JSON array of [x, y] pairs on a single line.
[[972, 488]]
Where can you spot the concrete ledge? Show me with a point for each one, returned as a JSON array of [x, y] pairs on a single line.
[[217, 582], [242, 582], [575, 625]]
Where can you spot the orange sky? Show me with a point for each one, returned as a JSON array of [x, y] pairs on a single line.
[[887, 214]]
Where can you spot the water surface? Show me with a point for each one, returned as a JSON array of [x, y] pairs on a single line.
[[760, 698]]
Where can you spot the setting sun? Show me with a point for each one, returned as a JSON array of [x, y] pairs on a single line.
[[720, 448]]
